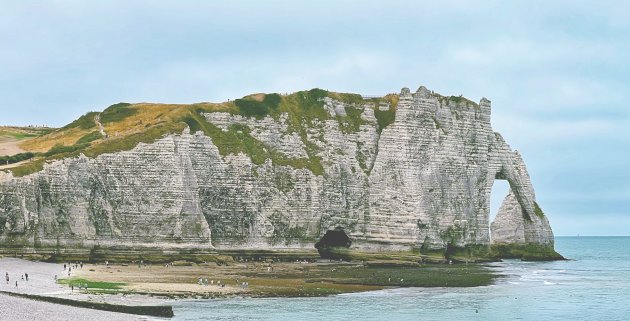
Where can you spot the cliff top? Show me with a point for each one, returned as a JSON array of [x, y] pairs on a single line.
[[122, 126]]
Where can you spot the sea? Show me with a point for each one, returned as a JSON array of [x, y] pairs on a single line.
[[594, 284]]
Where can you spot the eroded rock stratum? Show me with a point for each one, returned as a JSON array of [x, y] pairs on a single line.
[[420, 181]]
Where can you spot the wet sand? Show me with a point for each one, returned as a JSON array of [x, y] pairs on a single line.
[[175, 281], [277, 279]]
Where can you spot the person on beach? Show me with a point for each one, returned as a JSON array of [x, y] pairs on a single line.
[[64, 266], [26, 275], [71, 287], [16, 284], [7, 277]]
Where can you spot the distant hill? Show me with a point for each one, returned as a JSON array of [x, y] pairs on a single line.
[[10, 139]]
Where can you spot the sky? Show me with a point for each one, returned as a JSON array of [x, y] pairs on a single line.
[[557, 72]]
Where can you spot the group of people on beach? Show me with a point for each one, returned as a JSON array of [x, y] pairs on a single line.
[[81, 286], [70, 266], [7, 278], [204, 281]]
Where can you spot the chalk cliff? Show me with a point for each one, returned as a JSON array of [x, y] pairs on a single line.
[[411, 172]]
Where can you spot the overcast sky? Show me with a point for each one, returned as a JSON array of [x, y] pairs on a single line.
[[557, 72]]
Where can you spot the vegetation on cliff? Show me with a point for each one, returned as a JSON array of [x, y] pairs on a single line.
[[16, 158], [126, 125]]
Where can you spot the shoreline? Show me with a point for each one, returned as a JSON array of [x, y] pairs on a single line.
[[244, 278], [152, 288]]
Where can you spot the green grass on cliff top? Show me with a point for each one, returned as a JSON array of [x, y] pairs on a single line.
[[303, 108], [131, 124]]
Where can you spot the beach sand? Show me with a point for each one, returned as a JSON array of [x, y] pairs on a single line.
[[41, 282], [163, 284], [169, 281]]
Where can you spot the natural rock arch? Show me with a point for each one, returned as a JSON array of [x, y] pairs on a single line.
[[519, 220]]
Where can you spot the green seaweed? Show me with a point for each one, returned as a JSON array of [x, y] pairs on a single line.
[[92, 284], [526, 252]]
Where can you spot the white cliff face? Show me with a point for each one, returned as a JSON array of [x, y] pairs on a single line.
[[424, 181]]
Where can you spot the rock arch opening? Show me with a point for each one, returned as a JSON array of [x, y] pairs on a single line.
[[333, 239], [500, 189]]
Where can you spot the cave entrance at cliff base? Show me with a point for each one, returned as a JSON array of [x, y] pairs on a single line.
[[333, 239]]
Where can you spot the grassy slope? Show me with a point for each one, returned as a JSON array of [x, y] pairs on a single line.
[[11, 137], [20, 133], [129, 124]]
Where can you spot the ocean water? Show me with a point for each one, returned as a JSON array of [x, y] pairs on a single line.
[[593, 285]]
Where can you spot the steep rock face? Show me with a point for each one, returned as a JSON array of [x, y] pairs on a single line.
[[422, 181]]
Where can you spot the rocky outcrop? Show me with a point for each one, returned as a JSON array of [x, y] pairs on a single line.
[[421, 181]]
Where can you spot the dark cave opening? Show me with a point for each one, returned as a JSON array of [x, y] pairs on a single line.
[[336, 238]]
